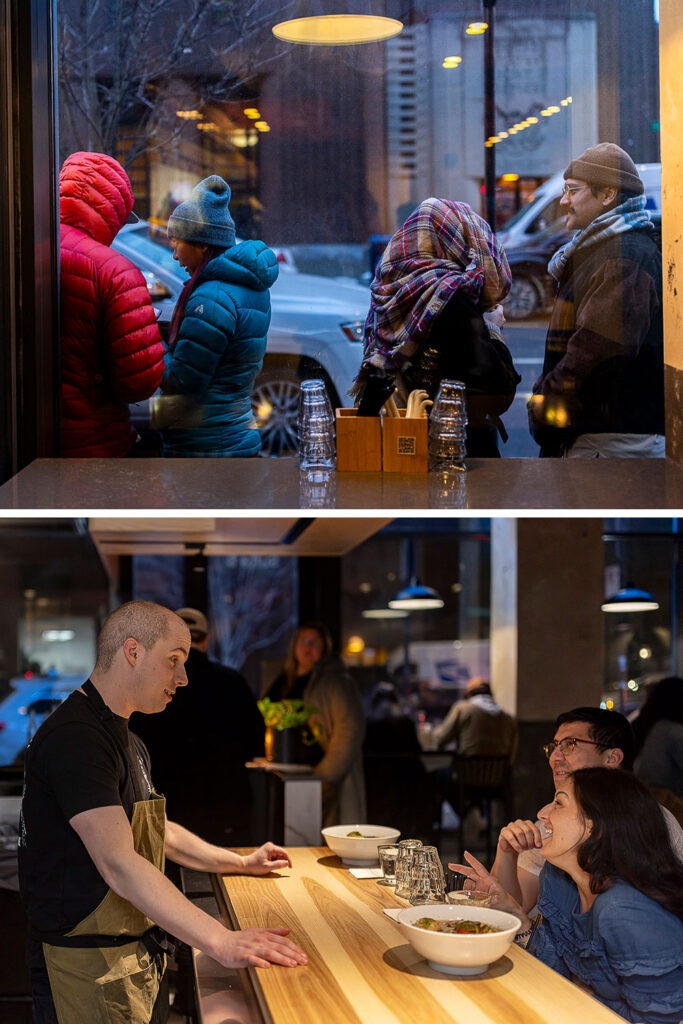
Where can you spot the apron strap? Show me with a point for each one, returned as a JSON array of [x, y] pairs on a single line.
[[155, 940]]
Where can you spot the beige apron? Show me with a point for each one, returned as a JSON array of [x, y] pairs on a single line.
[[113, 984]]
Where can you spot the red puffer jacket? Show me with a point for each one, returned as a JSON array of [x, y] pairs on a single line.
[[112, 352]]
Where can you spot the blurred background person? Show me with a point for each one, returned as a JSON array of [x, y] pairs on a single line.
[[658, 731], [111, 348], [201, 742], [477, 725], [217, 337], [315, 674]]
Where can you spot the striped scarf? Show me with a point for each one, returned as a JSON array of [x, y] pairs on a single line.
[[630, 215], [443, 249]]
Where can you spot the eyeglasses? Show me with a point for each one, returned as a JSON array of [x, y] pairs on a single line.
[[567, 745], [567, 191]]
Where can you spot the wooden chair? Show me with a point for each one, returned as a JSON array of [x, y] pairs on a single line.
[[478, 782]]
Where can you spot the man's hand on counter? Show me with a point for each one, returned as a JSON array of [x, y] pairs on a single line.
[[267, 858], [259, 947]]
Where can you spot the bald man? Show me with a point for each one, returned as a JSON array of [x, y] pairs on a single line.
[[94, 836]]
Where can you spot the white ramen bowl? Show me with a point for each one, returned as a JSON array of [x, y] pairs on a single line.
[[354, 850], [459, 954]]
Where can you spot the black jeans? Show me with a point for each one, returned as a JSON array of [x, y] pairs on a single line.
[[43, 1007]]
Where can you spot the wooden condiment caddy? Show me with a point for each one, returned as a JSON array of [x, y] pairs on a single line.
[[393, 444]]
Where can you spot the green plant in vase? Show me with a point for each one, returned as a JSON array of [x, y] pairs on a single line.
[[293, 731]]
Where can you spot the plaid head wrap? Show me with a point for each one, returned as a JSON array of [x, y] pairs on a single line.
[[444, 248]]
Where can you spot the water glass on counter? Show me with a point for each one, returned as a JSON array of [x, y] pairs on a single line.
[[316, 427], [387, 853], [448, 428], [404, 863], [427, 884]]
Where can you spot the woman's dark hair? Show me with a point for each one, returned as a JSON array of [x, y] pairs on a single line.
[[664, 700], [629, 838], [609, 729], [290, 660]]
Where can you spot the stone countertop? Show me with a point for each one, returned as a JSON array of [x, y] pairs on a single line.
[[488, 484]]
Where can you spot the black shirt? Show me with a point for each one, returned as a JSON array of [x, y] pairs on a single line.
[[82, 757]]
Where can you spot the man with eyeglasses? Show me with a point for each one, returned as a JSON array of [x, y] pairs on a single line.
[[601, 390], [584, 738]]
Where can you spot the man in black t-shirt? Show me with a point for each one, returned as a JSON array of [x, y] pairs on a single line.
[[94, 836]]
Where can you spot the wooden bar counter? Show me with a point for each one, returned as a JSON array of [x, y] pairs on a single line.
[[361, 969], [488, 484]]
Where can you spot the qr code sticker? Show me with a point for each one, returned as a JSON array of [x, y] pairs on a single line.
[[406, 446]]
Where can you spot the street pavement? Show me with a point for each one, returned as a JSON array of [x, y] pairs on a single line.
[[526, 341]]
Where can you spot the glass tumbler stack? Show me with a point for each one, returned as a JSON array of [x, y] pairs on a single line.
[[448, 427], [316, 427]]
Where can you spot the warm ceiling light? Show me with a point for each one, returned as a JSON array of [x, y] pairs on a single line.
[[532, 120], [554, 110], [189, 115], [510, 177], [261, 126], [207, 126], [451, 62], [338, 29], [476, 28], [253, 113]]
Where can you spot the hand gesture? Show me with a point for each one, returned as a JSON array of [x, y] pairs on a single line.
[[260, 947], [267, 858], [480, 879]]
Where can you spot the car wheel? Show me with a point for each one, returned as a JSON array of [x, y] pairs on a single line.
[[523, 300], [275, 401]]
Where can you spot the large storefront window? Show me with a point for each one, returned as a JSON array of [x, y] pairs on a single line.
[[328, 149]]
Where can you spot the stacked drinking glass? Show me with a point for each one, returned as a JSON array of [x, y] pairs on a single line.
[[316, 427], [448, 427]]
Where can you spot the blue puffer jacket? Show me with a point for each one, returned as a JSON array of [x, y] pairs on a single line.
[[217, 354]]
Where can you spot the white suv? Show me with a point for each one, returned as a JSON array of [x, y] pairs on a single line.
[[316, 330]]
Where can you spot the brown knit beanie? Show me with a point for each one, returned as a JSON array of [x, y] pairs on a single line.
[[608, 165]]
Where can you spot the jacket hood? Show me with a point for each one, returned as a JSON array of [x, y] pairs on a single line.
[[95, 195], [251, 264]]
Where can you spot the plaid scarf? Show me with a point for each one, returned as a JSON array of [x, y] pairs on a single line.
[[444, 248], [630, 215]]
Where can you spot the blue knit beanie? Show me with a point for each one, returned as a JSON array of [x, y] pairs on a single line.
[[204, 218]]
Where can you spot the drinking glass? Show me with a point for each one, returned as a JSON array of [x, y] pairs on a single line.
[[426, 877], [448, 427], [387, 853], [316, 427], [404, 860]]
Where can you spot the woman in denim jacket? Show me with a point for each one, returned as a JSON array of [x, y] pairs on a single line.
[[611, 896]]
